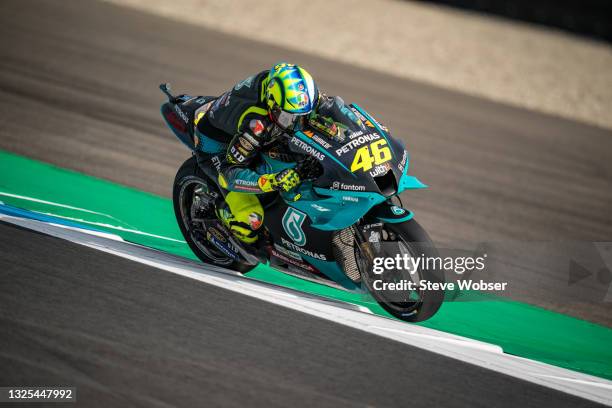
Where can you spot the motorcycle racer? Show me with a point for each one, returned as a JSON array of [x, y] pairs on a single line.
[[251, 116], [336, 205]]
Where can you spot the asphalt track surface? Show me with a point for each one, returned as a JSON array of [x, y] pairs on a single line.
[[78, 88], [129, 335]]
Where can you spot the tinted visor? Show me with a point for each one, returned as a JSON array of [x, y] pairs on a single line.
[[284, 119]]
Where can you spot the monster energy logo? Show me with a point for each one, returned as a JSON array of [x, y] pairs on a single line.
[[292, 224]]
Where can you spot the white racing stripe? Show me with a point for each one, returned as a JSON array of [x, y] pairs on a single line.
[[460, 348]]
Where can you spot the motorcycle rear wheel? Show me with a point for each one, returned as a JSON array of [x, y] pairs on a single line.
[[188, 179]]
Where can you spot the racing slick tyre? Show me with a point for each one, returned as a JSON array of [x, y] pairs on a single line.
[[193, 197]]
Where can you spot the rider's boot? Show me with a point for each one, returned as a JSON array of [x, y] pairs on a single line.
[[247, 224]]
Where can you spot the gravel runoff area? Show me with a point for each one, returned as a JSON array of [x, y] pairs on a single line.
[[514, 63]]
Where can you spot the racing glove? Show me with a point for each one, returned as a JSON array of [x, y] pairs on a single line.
[[282, 181]]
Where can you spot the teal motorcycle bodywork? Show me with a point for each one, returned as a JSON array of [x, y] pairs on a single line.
[[303, 222]]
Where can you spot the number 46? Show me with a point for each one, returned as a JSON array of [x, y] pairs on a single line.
[[366, 160]]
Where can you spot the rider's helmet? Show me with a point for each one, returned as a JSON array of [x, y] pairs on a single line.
[[290, 93]]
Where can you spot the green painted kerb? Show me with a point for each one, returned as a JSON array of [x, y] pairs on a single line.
[[148, 219]]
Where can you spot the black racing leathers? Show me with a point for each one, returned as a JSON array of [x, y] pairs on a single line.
[[240, 116]]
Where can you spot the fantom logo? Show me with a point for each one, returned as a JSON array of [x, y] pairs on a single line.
[[292, 224]]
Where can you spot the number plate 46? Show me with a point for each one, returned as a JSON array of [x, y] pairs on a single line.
[[368, 156]]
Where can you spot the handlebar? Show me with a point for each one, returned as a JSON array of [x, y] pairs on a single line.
[[308, 168]]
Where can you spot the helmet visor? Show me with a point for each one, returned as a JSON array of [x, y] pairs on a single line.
[[284, 119]]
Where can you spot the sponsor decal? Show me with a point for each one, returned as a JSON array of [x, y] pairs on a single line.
[[308, 133], [247, 82], [358, 114], [287, 252], [262, 182], [249, 188], [319, 207], [307, 148], [181, 113], [243, 182], [357, 142], [353, 135], [247, 185], [349, 198], [292, 224], [245, 143], [255, 221], [213, 232], [374, 236], [380, 169], [242, 150], [301, 250], [236, 155], [216, 162], [352, 187], [367, 227], [397, 210], [301, 86], [251, 139], [256, 126], [402, 163], [223, 248], [291, 261], [320, 141]]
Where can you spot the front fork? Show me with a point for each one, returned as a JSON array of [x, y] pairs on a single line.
[[370, 232]]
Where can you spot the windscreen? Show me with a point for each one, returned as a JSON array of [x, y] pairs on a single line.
[[336, 119]]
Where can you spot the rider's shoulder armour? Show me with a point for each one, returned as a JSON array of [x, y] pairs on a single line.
[[231, 108]]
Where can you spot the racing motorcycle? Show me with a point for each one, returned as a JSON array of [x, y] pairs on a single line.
[[330, 229]]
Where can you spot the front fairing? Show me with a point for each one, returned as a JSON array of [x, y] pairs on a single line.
[[347, 190]]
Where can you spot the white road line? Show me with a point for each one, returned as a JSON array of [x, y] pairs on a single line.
[[115, 227], [54, 204], [460, 348]]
